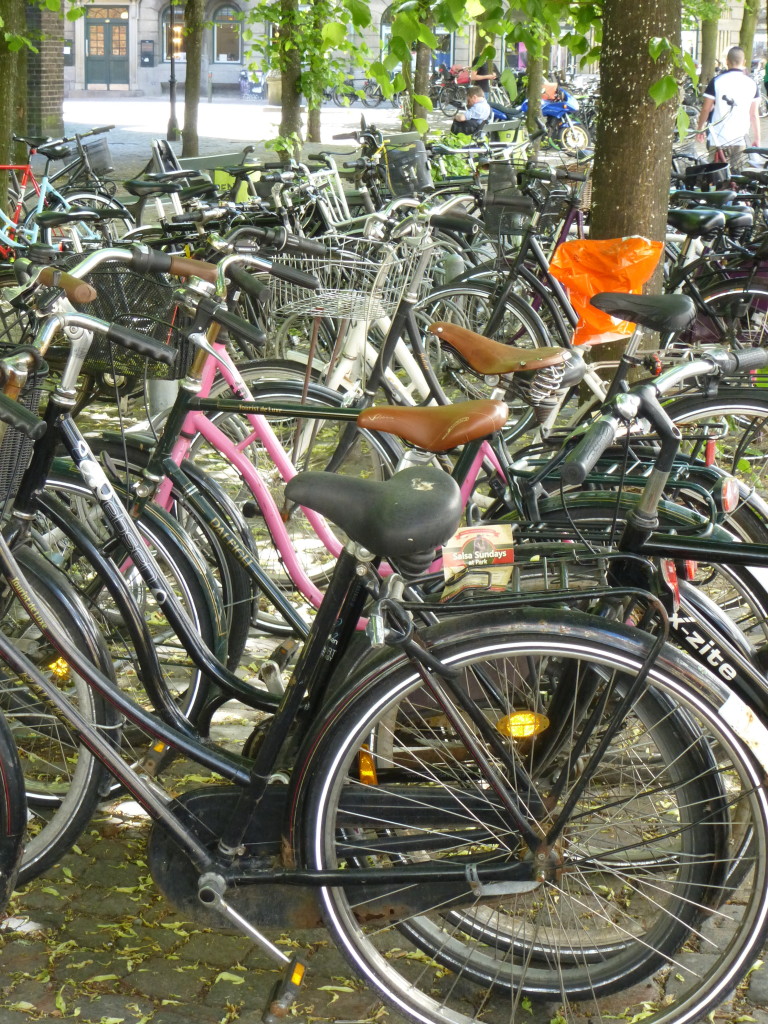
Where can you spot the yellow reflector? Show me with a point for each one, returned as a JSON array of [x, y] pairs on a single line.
[[158, 747], [297, 974], [522, 724], [366, 767], [59, 668]]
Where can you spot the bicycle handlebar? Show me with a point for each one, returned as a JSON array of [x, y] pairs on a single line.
[[644, 400], [15, 415], [141, 343], [73, 288]]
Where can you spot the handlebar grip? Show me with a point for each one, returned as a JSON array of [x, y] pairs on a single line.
[[460, 223], [580, 461], [346, 135], [73, 288], [181, 266], [22, 419], [236, 325], [749, 359], [293, 276], [141, 343], [305, 246], [538, 173], [192, 217], [98, 131], [562, 174], [247, 283], [275, 166]]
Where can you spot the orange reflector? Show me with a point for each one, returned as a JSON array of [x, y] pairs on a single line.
[[729, 494], [522, 724], [690, 568], [59, 668], [366, 767], [709, 452], [669, 575], [297, 974], [158, 747]]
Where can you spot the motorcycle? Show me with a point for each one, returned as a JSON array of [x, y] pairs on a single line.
[[564, 130]]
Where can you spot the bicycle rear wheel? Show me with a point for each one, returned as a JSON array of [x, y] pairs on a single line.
[[634, 881], [63, 779]]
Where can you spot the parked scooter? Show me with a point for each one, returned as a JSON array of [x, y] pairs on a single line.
[[565, 131]]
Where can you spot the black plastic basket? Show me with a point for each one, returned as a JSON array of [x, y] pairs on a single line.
[[405, 167], [15, 447], [143, 302], [99, 156], [707, 176], [506, 211]]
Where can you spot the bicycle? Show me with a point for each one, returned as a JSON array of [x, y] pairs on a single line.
[[406, 803]]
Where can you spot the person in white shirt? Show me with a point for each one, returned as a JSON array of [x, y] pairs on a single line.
[[731, 104], [477, 113]]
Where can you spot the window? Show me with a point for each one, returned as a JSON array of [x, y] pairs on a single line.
[[179, 45], [226, 36]]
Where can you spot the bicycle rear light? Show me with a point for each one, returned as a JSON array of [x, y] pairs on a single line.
[[729, 494], [669, 575]]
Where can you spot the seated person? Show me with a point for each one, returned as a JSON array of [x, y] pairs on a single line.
[[477, 113]]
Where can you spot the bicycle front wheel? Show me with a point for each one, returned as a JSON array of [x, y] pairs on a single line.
[[632, 884]]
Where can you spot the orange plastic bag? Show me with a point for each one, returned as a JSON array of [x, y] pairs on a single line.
[[587, 266]]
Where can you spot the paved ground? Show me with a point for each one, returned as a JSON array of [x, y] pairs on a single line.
[[93, 940], [225, 125]]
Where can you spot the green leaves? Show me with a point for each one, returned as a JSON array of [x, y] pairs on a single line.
[[665, 89], [360, 13], [334, 34]]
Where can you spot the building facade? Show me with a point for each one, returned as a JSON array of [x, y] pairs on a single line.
[[125, 46]]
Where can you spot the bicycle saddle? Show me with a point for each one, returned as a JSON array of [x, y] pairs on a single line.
[[659, 312], [760, 150], [738, 217], [696, 222], [33, 141], [57, 151], [721, 198], [437, 428], [55, 218], [413, 512], [140, 187], [486, 356]]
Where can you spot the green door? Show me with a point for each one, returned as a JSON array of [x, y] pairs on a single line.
[[106, 46]]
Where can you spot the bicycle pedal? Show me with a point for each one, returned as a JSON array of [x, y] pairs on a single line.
[[155, 758], [285, 992]]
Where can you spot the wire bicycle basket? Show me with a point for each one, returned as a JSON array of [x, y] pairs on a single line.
[[361, 279]]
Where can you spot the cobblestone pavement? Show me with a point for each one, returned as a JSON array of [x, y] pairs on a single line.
[[93, 940]]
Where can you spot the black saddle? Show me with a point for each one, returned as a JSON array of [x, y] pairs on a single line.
[[696, 222], [413, 512], [718, 199], [141, 187], [659, 312], [55, 218]]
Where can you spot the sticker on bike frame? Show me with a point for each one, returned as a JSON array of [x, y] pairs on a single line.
[[478, 557]]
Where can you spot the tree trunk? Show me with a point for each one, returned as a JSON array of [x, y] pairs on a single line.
[[535, 85], [708, 51], [747, 30], [633, 147], [421, 75], [194, 21], [13, 95], [290, 74], [313, 124]]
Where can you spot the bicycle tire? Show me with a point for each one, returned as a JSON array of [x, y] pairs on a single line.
[[90, 235], [451, 100], [64, 781], [373, 455], [736, 422], [238, 592], [742, 304], [188, 576], [568, 940], [13, 812], [472, 305]]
